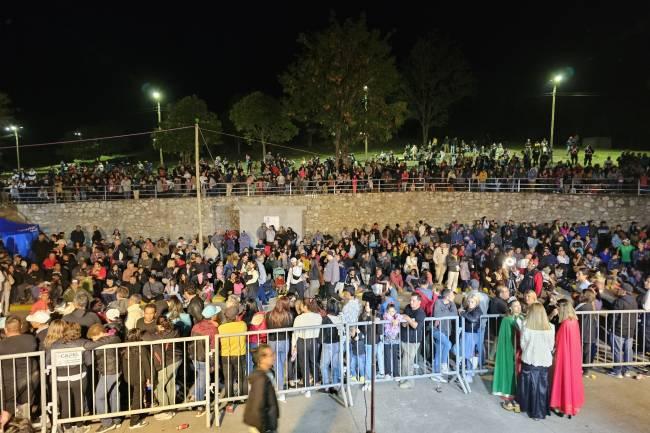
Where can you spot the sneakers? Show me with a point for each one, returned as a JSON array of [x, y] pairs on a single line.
[[163, 416], [362, 379], [406, 384], [282, 397], [308, 394], [469, 379], [615, 374], [200, 412], [445, 369], [138, 425], [628, 374], [388, 377], [105, 428]]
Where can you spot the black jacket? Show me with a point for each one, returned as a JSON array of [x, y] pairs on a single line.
[[106, 360], [136, 366], [84, 318], [472, 319], [625, 324], [262, 411]]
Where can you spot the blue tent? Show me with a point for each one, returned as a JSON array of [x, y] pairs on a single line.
[[18, 237]]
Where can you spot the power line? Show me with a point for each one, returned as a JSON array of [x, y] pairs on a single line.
[[155, 131], [260, 141]]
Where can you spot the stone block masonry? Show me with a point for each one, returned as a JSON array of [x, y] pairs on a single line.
[[330, 213]]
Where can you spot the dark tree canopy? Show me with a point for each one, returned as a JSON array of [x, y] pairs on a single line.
[[261, 117], [436, 76], [325, 85], [184, 113]]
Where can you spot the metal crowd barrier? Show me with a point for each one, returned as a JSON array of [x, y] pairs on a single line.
[[614, 338], [296, 370], [405, 355], [23, 391], [151, 377], [167, 377], [610, 339]]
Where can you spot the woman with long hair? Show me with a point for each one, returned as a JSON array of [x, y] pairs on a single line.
[[537, 341], [567, 390], [278, 318], [472, 315], [304, 342], [71, 380], [167, 358], [504, 383], [181, 320]]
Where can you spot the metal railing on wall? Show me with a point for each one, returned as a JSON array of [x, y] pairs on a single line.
[[70, 194]]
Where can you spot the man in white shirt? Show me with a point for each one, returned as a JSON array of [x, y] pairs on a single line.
[[440, 261]]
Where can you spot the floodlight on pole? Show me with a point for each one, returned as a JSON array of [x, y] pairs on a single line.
[[14, 129], [157, 97], [556, 80]]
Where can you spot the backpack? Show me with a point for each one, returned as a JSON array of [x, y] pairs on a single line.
[[528, 283]]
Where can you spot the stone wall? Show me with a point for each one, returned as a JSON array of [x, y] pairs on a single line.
[[330, 213]]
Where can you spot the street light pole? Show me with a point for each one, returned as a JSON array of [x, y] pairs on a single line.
[[14, 129], [156, 95], [556, 80], [365, 106]]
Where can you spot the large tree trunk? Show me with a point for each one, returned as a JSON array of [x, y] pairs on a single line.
[[425, 134]]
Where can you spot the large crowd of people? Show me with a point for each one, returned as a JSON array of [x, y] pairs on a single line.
[[88, 289], [453, 162]]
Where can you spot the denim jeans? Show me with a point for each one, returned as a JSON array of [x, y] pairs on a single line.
[[249, 356], [281, 350], [622, 348], [442, 345], [199, 383], [360, 362], [379, 354], [329, 363], [471, 342], [106, 398]]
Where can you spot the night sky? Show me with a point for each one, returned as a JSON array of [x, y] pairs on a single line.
[[69, 67]]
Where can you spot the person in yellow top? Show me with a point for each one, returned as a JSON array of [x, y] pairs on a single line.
[[482, 178], [232, 351]]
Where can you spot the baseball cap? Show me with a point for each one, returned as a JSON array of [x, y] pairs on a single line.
[[210, 311], [113, 314], [39, 317]]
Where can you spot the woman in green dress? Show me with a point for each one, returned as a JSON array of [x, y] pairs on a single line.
[[504, 383]]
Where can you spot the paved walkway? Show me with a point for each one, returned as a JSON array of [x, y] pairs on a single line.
[[613, 405]]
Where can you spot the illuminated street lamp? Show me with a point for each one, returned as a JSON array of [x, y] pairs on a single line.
[[556, 80], [157, 97], [14, 129]]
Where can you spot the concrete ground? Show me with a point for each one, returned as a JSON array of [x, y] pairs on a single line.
[[612, 405]]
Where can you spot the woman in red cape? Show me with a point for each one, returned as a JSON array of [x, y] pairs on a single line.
[[567, 391]]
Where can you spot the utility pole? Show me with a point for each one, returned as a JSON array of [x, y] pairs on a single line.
[[365, 106], [198, 184]]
